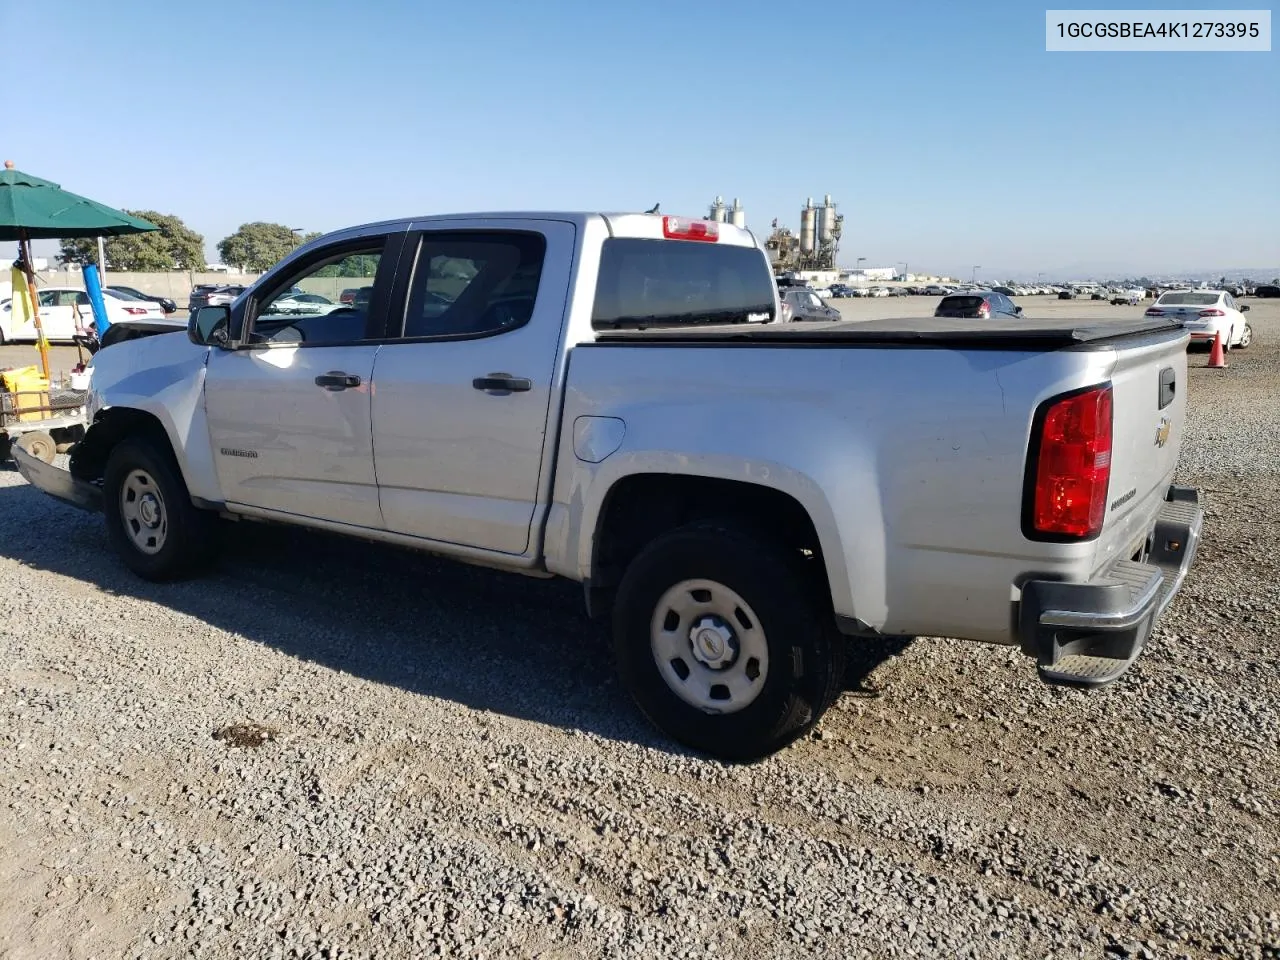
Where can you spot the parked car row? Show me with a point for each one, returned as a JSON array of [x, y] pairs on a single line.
[[213, 294], [66, 312]]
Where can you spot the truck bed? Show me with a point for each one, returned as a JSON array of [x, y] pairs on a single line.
[[951, 332]]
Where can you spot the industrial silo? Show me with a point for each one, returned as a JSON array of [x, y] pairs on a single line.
[[827, 221], [738, 216], [718, 210], [808, 227]]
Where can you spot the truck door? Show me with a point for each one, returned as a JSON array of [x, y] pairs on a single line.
[[463, 394], [288, 408]]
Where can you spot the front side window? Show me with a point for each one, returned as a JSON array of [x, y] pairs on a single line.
[[307, 307], [474, 284]]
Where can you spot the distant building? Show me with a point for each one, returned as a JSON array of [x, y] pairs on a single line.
[[870, 273]]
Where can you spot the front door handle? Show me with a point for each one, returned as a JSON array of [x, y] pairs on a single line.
[[502, 382], [336, 380]]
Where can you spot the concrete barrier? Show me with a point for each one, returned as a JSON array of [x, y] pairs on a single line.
[[176, 285]]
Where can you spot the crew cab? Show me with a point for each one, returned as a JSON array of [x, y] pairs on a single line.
[[600, 397]]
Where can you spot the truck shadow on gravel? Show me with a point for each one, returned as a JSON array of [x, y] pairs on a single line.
[[490, 640]]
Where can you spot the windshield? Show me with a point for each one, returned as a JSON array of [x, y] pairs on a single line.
[[1188, 299]]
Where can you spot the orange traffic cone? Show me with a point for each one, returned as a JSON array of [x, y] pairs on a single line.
[[1217, 356]]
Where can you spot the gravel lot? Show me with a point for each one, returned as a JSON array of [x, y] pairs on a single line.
[[436, 760]]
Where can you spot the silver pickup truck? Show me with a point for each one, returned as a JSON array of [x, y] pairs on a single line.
[[605, 398]]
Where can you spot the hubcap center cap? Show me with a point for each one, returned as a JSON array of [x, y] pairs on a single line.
[[149, 510], [713, 643]]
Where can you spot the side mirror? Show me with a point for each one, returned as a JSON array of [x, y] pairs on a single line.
[[210, 326], [1244, 308], [1018, 311]]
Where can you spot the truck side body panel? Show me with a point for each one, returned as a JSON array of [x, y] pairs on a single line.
[[910, 463]]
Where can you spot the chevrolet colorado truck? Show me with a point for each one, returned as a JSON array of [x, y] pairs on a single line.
[[602, 397]]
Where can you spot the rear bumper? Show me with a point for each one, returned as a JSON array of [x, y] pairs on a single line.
[[57, 482], [1087, 634]]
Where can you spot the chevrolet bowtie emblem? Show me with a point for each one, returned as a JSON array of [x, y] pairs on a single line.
[[1162, 432]]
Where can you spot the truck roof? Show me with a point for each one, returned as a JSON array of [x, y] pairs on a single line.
[[619, 224]]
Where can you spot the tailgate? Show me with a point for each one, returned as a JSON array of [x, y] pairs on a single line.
[[1149, 389]]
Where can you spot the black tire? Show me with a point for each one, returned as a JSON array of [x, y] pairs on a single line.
[[806, 655], [188, 540]]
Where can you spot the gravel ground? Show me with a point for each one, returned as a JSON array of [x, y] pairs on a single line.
[[329, 749]]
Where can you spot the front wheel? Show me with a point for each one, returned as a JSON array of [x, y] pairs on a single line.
[[724, 641], [152, 523], [1246, 336]]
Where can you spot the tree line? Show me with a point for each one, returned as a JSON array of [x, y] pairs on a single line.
[[254, 247]]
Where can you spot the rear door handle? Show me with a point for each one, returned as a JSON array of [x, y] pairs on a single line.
[[503, 382], [336, 380]]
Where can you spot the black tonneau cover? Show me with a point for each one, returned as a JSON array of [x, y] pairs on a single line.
[[995, 334]]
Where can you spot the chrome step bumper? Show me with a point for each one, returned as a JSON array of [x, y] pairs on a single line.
[[1089, 634]]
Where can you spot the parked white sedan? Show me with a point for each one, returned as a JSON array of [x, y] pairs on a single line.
[[1205, 314], [65, 312]]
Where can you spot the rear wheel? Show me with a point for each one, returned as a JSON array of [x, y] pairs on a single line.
[[153, 525], [724, 640]]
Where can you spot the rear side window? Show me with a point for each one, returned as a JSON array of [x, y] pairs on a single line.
[[674, 282], [474, 284]]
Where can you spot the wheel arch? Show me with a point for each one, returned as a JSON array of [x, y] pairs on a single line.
[[638, 507], [115, 424]]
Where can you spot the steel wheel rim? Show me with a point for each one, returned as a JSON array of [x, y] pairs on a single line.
[[709, 646], [142, 512]]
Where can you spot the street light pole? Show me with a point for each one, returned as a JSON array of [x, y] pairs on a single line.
[[973, 278], [905, 272], [297, 235]]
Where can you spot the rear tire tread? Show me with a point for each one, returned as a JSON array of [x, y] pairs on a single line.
[[791, 602]]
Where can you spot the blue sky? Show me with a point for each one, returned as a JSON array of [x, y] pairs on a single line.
[[946, 133]]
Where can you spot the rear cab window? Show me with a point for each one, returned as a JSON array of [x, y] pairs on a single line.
[[646, 283]]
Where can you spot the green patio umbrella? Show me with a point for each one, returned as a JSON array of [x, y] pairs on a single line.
[[35, 209], [31, 208]]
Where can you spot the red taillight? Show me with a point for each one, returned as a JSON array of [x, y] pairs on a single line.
[[1154, 312], [985, 310], [135, 311], [1213, 313], [682, 228], [1073, 466]]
